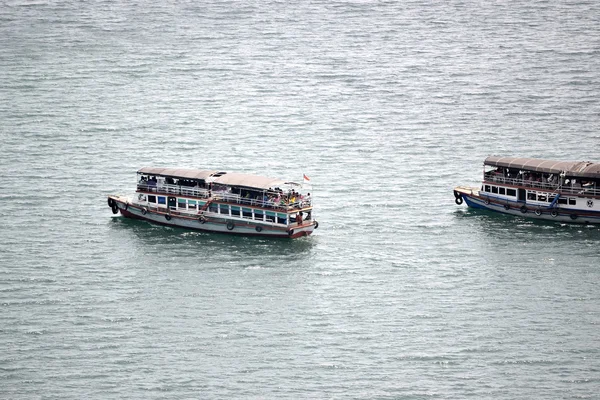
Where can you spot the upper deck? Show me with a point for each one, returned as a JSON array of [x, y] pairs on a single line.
[[566, 177], [216, 186]]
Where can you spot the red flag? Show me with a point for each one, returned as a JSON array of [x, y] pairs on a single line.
[[306, 178]]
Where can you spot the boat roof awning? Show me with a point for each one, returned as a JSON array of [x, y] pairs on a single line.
[[582, 169], [178, 172], [219, 177], [248, 180]]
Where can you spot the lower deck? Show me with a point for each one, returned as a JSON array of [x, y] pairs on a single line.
[[218, 216], [536, 203]]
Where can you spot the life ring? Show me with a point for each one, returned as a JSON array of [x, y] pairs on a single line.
[[316, 224], [115, 209], [506, 207], [573, 216], [167, 217], [458, 200], [554, 213], [110, 202], [487, 200], [202, 219], [144, 211], [230, 226], [524, 209], [259, 229], [140, 196], [538, 212]]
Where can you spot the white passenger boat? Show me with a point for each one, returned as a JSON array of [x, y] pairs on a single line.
[[566, 191], [217, 201]]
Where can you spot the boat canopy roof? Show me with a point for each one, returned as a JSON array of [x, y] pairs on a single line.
[[219, 177], [178, 172], [582, 169], [249, 181]]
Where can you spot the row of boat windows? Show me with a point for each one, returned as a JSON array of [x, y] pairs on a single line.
[[550, 198], [531, 195], [185, 204], [223, 209], [248, 213], [500, 190]]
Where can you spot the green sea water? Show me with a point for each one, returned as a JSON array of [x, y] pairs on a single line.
[[386, 106]]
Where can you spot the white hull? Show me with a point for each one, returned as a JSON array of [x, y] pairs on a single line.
[[213, 222]]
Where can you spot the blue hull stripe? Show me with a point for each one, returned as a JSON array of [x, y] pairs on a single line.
[[546, 213]]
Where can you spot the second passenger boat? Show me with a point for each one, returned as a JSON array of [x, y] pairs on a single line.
[[218, 201], [566, 191]]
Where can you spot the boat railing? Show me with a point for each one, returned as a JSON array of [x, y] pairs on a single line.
[[228, 197], [282, 206], [576, 189], [153, 187]]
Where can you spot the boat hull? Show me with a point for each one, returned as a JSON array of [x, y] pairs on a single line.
[[211, 223], [473, 199]]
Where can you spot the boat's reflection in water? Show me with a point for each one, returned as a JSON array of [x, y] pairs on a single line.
[[503, 226], [151, 238]]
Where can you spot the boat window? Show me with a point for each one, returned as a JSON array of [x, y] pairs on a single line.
[[182, 204], [511, 192], [531, 196], [192, 204], [562, 200], [542, 197], [501, 190], [224, 209], [281, 218], [487, 188], [247, 212], [258, 215], [235, 211], [213, 208], [572, 201], [270, 216], [494, 189], [151, 199], [162, 200]]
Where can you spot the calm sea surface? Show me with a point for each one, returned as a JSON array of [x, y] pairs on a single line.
[[386, 106]]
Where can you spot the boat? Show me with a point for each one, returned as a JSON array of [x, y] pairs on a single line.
[[218, 201], [565, 191]]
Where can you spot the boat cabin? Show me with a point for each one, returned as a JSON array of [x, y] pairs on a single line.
[[233, 195], [533, 178]]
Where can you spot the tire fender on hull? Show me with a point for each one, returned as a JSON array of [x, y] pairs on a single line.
[[458, 198], [524, 209]]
